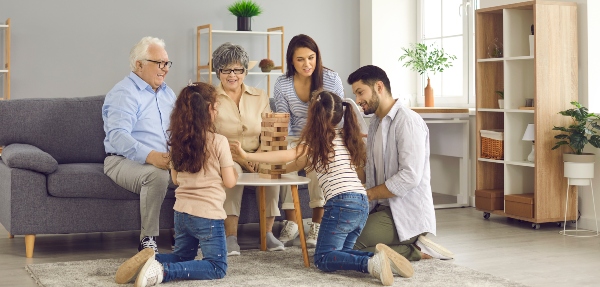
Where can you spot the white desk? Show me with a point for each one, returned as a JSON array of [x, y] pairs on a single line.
[[252, 179], [449, 136]]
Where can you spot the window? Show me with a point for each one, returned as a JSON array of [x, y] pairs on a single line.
[[450, 25]]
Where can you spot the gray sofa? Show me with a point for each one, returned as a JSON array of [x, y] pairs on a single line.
[[51, 173]]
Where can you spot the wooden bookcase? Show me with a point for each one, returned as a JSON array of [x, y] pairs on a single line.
[[5, 69], [206, 68], [550, 77]]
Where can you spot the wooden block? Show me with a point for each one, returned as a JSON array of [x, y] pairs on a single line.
[[275, 115], [277, 125], [271, 166], [269, 176], [269, 171], [274, 129], [269, 138], [273, 134], [276, 120], [274, 143]]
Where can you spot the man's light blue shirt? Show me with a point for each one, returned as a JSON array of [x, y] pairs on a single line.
[[136, 118]]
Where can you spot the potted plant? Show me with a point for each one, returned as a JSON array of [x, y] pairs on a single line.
[[244, 10], [579, 166], [266, 65], [423, 59], [501, 99]]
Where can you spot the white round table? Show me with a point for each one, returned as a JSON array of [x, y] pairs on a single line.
[[253, 179]]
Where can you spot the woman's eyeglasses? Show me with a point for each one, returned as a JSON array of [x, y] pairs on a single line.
[[235, 71]]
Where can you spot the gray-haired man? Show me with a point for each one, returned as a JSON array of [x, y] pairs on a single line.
[[136, 114]]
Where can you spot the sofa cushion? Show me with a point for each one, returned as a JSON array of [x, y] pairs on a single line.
[[26, 156], [87, 180], [69, 129]]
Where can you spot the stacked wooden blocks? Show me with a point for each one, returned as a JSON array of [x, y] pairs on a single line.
[[274, 129]]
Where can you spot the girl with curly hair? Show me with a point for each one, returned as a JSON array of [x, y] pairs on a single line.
[[202, 166]]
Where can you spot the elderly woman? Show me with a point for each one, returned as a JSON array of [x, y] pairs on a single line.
[[239, 119]]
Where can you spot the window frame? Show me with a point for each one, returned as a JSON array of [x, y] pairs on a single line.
[[467, 9]]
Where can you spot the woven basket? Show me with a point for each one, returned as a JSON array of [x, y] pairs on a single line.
[[491, 148]]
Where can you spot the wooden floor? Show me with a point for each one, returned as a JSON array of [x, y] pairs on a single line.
[[500, 246]]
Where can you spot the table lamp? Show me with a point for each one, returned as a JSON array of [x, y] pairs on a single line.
[[530, 136]]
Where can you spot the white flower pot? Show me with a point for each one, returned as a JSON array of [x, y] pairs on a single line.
[[579, 168], [501, 103]]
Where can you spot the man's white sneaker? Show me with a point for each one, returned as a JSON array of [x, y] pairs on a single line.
[[399, 264], [379, 267], [288, 233], [433, 249], [313, 234], [151, 274]]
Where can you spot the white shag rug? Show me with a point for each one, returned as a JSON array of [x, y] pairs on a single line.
[[257, 268]]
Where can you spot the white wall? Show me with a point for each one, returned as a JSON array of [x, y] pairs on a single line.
[[386, 27], [65, 48]]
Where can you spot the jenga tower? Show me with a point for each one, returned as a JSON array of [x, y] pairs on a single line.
[[274, 129]]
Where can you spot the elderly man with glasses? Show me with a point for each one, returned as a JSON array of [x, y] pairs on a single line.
[[136, 115], [239, 119]]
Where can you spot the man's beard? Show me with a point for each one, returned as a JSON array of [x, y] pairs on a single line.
[[373, 104]]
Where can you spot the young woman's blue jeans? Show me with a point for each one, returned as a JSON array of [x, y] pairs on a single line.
[[190, 231], [344, 218]]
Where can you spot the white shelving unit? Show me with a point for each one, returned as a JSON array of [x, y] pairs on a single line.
[[549, 77], [207, 68], [5, 68]]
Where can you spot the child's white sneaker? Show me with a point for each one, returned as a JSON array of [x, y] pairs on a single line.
[[151, 274], [379, 267]]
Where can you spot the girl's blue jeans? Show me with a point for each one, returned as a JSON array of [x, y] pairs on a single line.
[[191, 231], [344, 218]]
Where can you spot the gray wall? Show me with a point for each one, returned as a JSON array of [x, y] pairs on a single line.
[[67, 48]]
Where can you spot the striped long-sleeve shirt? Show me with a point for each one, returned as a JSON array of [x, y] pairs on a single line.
[[341, 177], [287, 101]]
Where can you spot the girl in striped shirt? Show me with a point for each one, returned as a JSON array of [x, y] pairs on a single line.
[[337, 155]]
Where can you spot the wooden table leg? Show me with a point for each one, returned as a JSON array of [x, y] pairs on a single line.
[[300, 224], [262, 217]]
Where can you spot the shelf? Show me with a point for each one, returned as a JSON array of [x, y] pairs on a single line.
[[490, 60], [505, 59], [518, 58], [242, 32], [4, 26], [490, 160], [3, 71], [252, 73], [519, 111], [276, 32], [491, 110], [521, 163]]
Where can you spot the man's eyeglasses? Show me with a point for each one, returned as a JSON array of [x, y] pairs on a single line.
[[161, 64], [235, 71]]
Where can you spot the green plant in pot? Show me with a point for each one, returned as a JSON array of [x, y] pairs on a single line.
[[244, 10], [582, 131], [266, 65], [424, 59]]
